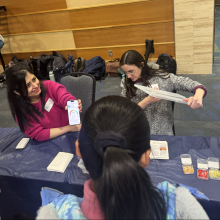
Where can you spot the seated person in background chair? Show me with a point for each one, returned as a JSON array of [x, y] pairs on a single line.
[[158, 112], [114, 143], [39, 108]]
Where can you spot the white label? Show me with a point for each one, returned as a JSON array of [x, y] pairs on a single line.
[[154, 85], [186, 161], [202, 166], [49, 105], [213, 164]]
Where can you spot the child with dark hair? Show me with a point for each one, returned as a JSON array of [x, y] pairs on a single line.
[[39, 108], [114, 143], [158, 112]]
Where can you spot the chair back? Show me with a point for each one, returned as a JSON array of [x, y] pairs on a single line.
[[82, 86]]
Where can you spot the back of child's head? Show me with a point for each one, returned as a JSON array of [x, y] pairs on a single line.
[[114, 135]]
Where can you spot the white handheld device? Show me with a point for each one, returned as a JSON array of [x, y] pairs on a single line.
[[73, 112]]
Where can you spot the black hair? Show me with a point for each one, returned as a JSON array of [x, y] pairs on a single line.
[[132, 57], [122, 186], [20, 105]]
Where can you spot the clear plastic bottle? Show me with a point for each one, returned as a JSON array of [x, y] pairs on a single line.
[[51, 75]]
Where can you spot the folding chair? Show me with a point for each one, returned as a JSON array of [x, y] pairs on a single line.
[[82, 86]]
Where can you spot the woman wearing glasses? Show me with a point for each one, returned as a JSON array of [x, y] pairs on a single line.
[[158, 112]]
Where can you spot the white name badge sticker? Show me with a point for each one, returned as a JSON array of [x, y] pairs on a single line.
[[49, 105], [154, 85]]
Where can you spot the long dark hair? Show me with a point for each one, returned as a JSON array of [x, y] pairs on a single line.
[[132, 57], [122, 186], [20, 105]]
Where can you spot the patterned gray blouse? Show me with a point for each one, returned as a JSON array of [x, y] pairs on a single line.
[[160, 113]]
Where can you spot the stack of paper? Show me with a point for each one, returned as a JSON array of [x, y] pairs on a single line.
[[60, 162], [162, 94]]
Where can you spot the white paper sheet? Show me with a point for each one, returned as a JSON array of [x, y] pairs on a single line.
[[159, 150], [162, 94]]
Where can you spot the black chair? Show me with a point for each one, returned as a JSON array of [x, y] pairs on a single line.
[[82, 86]]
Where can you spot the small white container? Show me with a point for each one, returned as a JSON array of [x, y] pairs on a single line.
[[187, 166], [202, 164], [186, 159], [213, 163]]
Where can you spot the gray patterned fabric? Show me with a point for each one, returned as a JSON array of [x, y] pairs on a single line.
[[160, 113], [81, 87]]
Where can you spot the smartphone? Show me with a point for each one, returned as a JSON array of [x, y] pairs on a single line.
[[73, 112]]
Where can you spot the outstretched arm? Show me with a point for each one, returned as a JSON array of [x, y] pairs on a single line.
[[196, 100]]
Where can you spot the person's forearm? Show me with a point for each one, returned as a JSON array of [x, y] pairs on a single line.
[[199, 93], [55, 132], [144, 103]]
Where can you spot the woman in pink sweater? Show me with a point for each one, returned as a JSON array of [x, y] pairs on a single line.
[[39, 108]]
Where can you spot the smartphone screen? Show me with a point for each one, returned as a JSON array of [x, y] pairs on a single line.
[[73, 112]]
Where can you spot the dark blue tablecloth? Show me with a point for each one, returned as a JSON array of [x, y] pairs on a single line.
[[171, 170], [32, 161], [29, 165]]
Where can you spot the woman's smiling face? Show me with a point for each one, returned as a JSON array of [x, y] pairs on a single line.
[[33, 86]]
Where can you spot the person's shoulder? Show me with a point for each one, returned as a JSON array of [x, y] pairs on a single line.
[[49, 83], [163, 73], [160, 76]]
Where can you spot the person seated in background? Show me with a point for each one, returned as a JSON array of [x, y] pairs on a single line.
[[39, 108], [158, 112], [114, 143]]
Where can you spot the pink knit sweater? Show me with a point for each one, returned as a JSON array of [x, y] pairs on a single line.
[[90, 204], [56, 117]]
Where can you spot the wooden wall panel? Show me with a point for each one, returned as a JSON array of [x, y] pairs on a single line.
[[118, 51], [160, 32], [23, 35], [89, 3], [7, 57], [39, 42], [15, 7], [148, 11], [194, 36], [35, 23], [203, 35], [184, 36]]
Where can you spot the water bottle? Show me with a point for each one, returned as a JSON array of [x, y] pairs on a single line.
[[51, 75]]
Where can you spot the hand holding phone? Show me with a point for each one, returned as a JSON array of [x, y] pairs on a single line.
[[80, 106], [73, 112]]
